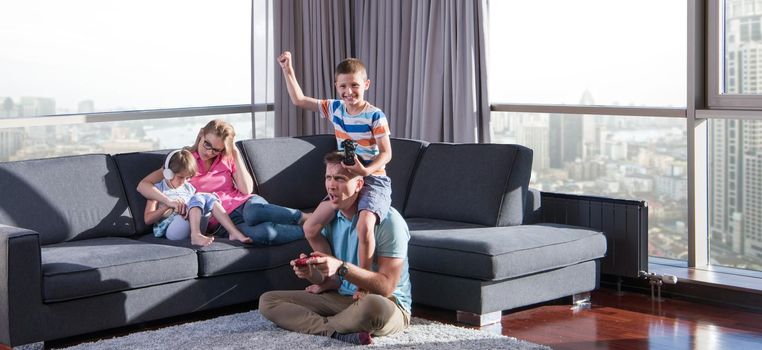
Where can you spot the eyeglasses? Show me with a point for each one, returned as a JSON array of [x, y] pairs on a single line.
[[208, 146]]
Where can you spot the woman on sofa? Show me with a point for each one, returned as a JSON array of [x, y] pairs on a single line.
[[221, 171]]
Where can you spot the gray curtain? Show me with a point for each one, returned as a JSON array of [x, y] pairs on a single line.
[[426, 60]]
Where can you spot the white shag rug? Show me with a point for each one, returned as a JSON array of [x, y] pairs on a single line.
[[249, 330]]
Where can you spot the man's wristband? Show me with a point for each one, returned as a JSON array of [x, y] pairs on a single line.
[[342, 270]]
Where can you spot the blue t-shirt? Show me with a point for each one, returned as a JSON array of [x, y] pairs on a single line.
[[391, 235]]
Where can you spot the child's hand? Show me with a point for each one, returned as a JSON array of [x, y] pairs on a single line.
[[285, 61], [178, 205], [357, 168]]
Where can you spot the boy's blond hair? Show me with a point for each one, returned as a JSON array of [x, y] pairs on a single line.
[[183, 161], [352, 66]]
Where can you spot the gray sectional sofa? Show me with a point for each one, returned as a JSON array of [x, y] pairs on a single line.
[[75, 256]]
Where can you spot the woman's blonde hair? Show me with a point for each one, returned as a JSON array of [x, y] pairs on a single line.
[[221, 129]]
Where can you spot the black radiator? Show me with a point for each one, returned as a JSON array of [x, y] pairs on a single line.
[[624, 222]]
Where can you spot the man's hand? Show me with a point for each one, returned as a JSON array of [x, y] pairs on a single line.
[[325, 264], [308, 271]]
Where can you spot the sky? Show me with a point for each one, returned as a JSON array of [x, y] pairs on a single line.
[[625, 52], [138, 53]]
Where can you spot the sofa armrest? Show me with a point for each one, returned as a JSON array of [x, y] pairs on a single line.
[[532, 207], [20, 284]]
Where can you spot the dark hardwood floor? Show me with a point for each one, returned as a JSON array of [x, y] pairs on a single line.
[[627, 321]]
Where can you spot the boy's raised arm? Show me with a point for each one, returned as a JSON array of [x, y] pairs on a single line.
[[294, 91]]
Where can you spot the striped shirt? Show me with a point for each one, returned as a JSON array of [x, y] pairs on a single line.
[[363, 128]]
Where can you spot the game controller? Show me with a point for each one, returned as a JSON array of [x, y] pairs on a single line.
[[302, 261], [349, 152]]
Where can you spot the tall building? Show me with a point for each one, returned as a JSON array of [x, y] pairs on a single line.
[[7, 107], [11, 140], [534, 134], [735, 146], [34, 106], [565, 139], [572, 137]]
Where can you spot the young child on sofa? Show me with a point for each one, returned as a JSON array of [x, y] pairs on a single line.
[[357, 120], [179, 167]]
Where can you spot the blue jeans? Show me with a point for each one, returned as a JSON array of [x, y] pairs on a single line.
[[266, 223]]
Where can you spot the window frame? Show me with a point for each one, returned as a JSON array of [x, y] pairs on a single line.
[[716, 99]]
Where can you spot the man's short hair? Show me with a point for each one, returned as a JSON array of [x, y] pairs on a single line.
[[333, 157], [337, 157], [351, 66]]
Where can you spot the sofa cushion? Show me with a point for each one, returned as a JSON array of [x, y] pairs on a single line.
[[483, 184], [423, 224], [133, 167], [65, 198], [289, 171], [497, 253], [78, 269], [224, 256], [405, 154]]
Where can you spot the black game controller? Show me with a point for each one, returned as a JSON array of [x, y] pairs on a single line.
[[349, 152]]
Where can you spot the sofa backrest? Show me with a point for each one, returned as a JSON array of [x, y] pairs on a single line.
[[289, 171], [133, 167], [405, 155], [65, 198], [483, 184]]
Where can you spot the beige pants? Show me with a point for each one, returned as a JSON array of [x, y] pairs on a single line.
[[325, 313]]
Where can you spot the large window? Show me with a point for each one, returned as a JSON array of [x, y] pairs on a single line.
[[548, 58], [735, 54], [735, 192], [84, 56], [622, 157], [734, 133], [85, 76]]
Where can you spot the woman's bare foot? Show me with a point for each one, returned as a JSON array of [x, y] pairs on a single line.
[[304, 218], [238, 236], [201, 240]]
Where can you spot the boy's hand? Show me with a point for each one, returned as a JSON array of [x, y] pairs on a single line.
[[357, 168], [285, 62]]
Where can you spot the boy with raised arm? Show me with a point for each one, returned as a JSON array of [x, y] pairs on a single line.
[[353, 119]]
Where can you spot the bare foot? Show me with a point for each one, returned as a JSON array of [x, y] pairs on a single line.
[[359, 293], [238, 236], [304, 218], [201, 240], [314, 289], [328, 284]]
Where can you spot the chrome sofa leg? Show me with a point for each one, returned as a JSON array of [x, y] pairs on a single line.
[[479, 319], [581, 301]]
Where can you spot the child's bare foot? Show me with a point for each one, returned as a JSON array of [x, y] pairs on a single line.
[[238, 236], [314, 289], [201, 240], [359, 293], [328, 284]]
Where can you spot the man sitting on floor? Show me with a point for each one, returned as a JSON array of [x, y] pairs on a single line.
[[330, 309]]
